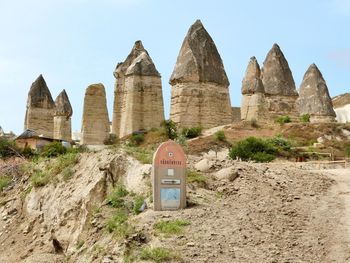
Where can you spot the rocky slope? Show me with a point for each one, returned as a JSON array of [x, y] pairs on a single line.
[[238, 212]]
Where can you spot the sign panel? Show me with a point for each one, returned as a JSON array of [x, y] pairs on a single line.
[[169, 177]]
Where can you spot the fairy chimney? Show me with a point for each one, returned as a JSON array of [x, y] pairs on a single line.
[[40, 109], [95, 126], [279, 85], [252, 107], [62, 118], [199, 93], [314, 97], [138, 98]]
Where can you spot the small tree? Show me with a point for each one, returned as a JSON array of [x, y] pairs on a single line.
[[170, 129], [53, 149]]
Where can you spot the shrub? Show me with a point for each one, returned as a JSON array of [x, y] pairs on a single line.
[[7, 148], [280, 143], [53, 149], [158, 254], [63, 162], [172, 227], [283, 119], [4, 181], [137, 139], [192, 132], [305, 118], [116, 197], [170, 129], [220, 136], [254, 149]]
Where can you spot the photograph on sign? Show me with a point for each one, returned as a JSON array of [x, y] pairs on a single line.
[[170, 172], [170, 198]]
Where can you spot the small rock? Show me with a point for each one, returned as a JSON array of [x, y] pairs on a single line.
[[190, 244]]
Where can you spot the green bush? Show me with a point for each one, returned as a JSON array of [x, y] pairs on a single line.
[[283, 119], [192, 132], [305, 118], [280, 143], [4, 181], [7, 148], [63, 162], [137, 139], [119, 225], [252, 148], [170, 129], [220, 136], [116, 197], [53, 149]]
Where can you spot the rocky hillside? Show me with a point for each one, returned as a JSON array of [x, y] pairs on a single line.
[[237, 212]]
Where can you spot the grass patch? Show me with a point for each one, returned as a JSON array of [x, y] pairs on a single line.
[[4, 182], [119, 225], [173, 227], [116, 197], [80, 244], [40, 178], [192, 132], [220, 136], [195, 177], [283, 119], [305, 118], [141, 154], [65, 161], [26, 192], [158, 254], [137, 204]]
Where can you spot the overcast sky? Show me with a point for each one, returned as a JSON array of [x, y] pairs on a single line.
[[74, 43]]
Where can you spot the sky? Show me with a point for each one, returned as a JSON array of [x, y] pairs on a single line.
[[75, 43]]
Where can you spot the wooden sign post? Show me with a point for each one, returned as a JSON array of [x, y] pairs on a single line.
[[169, 177]]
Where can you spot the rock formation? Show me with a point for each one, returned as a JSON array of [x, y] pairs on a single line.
[[40, 109], [341, 104], [138, 98], [199, 93], [95, 127], [62, 118], [314, 97], [280, 91], [253, 93]]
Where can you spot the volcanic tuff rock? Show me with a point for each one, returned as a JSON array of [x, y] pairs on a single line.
[[341, 104], [40, 108], [62, 119], [138, 97], [314, 97], [280, 91], [95, 127], [253, 92], [199, 94]]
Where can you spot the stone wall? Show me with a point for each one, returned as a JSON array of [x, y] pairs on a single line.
[[200, 104]]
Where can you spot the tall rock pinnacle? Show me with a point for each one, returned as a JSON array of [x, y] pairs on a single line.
[[95, 127], [40, 109], [138, 97], [62, 119], [252, 107], [276, 74], [314, 97], [199, 94]]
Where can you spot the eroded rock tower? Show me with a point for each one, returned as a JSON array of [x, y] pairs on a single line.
[[62, 118]]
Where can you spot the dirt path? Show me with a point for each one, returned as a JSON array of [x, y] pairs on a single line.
[[338, 201]]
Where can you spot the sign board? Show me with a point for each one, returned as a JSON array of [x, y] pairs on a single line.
[[169, 177]]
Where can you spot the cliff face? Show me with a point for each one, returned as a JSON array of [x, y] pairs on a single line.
[[314, 97], [138, 97], [199, 93], [95, 124], [40, 109], [341, 105]]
